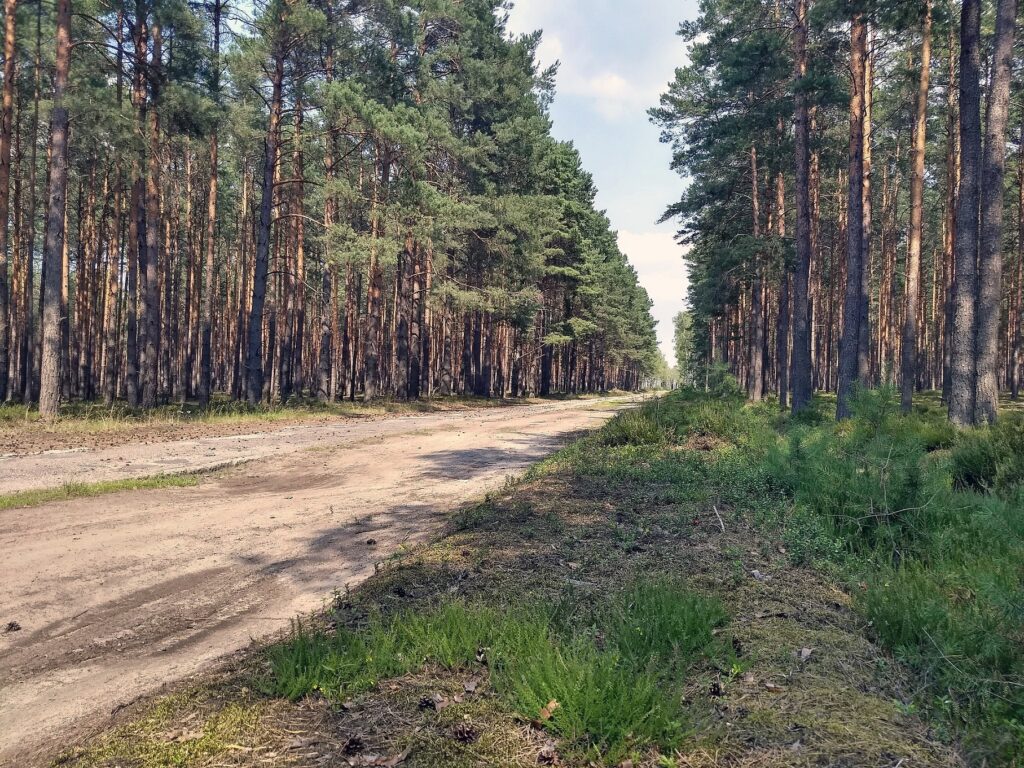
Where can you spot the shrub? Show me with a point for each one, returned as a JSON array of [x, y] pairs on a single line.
[[991, 458], [640, 427], [975, 461]]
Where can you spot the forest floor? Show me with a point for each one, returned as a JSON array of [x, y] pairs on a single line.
[[106, 598], [632, 601]]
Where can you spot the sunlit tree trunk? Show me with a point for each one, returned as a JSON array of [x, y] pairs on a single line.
[[908, 359], [6, 130], [50, 383]]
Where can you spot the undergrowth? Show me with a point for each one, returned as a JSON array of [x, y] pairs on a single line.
[[925, 523]]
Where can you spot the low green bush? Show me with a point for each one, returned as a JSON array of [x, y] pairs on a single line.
[[991, 458], [641, 427]]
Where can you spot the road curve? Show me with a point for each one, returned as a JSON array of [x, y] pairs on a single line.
[[120, 594]]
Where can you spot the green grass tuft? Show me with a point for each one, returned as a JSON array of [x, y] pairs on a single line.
[[617, 677], [81, 490]]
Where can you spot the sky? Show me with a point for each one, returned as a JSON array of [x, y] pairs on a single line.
[[616, 58]]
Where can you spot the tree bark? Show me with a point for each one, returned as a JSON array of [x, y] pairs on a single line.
[[949, 235], [254, 353], [963, 362], [755, 370], [849, 344], [864, 372], [782, 331], [801, 363], [50, 383], [151, 295], [6, 129], [908, 357], [206, 321], [1017, 330], [990, 253]]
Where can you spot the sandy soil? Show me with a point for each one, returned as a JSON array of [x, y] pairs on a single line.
[[118, 595]]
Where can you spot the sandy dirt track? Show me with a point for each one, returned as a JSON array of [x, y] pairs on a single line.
[[121, 594]]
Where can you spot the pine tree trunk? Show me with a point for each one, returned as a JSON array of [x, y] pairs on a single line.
[[110, 311], [403, 280], [963, 361], [374, 293], [206, 321], [864, 371], [801, 358], [6, 130], [151, 279], [298, 320], [1017, 328], [990, 256], [850, 342], [782, 327], [254, 347], [908, 361], [50, 375], [755, 371]]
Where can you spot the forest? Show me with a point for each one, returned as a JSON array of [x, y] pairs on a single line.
[[335, 424], [855, 212], [330, 199]]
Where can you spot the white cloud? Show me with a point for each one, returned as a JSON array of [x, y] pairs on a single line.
[[550, 50], [658, 260], [629, 86]]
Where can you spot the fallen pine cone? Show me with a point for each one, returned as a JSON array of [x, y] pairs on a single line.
[[353, 746], [548, 755], [465, 733]]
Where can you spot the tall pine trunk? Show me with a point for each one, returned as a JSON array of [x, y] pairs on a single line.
[[254, 348], [206, 321], [962, 336], [6, 126], [50, 374], [801, 362], [151, 295], [755, 370], [990, 250], [908, 357], [1017, 331], [849, 344]]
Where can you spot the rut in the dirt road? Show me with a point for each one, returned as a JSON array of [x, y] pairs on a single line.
[[117, 595]]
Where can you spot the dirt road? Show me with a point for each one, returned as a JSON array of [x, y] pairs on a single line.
[[119, 594]]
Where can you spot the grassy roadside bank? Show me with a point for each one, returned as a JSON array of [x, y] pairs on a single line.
[[691, 586]]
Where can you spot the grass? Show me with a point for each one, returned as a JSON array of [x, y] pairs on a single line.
[[34, 498], [612, 695]]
